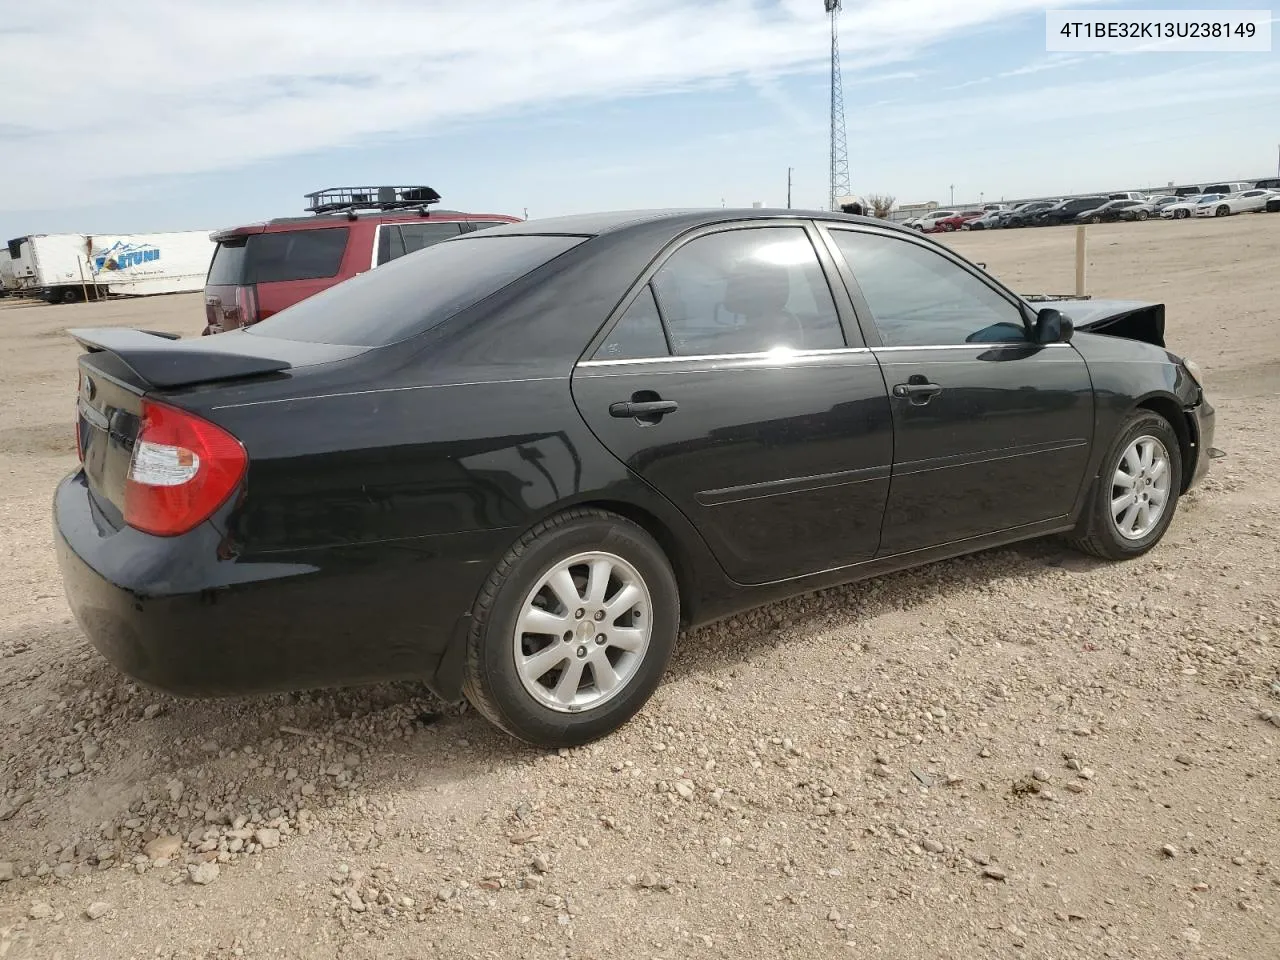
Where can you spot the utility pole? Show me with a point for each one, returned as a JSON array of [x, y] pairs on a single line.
[[953, 195], [789, 169], [526, 213], [839, 174]]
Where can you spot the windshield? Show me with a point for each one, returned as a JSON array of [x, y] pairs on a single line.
[[1210, 198], [415, 292]]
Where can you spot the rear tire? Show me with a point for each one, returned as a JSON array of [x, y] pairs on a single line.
[[1119, 520], [576, 577], [1142, 214]]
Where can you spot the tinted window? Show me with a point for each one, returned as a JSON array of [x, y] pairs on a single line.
[[419, 235], [413, 294], [747, 291], [638, 333], [390, 245], [296, 254], [227, 268], [919, 298], [469, 226]]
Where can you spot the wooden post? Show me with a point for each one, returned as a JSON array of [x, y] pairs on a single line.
[[1082, 246], [84, 288]]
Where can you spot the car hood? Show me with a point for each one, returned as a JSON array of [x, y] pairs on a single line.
[[1130, 319]]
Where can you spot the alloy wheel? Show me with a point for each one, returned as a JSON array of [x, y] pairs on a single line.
[[1140, 488], [583, 632]]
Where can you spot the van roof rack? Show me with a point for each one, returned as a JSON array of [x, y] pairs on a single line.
[[351, 199]]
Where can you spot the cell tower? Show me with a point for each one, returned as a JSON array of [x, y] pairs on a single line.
[[839, 145]]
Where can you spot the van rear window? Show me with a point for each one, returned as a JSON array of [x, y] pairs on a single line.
[[276, 257], [227, 268]]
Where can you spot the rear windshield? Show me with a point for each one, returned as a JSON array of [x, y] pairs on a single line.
[[314, 254], [414, 293], [227, 268]]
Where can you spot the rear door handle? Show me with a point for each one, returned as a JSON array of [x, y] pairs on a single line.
[[651, 410], [917, 390]]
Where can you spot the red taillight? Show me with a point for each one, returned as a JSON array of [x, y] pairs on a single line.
[[183, 468], [247, 305]]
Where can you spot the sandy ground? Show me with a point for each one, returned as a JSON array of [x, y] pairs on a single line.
[[1020, 754]]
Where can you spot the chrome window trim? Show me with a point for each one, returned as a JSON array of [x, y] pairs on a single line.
[[766, 355], [806, 354]]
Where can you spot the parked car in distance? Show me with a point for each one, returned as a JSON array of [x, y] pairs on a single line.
[[1131, 195], [1247, 201], [951, 224], [1272, 183], [991, 220], [1151, 208], [1066, 211], [1187, 208], [1023, 214], [1225, 188], [1186, 192], [1107, 213], [515, 464], [926, 223], [262, 268]]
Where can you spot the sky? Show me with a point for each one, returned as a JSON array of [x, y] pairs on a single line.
[[154, 115]]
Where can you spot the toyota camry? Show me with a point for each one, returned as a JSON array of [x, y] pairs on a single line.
[[514, 464]]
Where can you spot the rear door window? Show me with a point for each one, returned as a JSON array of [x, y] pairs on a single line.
[[296, 254], [413, 294], [419, 235]]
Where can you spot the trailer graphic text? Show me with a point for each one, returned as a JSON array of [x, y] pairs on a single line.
[[122, 256]]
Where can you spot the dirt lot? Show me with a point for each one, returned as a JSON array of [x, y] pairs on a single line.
[[1020, 754]]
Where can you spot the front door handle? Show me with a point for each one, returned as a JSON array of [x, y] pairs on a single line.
[[917, 390], [642, 409]]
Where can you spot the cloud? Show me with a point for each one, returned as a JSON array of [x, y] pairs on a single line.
[[1186, 86], [112, 94]]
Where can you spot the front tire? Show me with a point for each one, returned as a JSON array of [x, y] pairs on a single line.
[[573, 630], [1142, 215], [1222, 211], [1135, 496], [1181, 214]]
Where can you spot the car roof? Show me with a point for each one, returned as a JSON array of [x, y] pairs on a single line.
[[411, 215], [674, 221]]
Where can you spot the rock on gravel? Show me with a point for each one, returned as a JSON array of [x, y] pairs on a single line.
[[268, 838], [204, 873], [97, 910], [7, 872], [40, 911], [163, 848]]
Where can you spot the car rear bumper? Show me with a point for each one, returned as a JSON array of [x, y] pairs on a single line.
[[187, 616]]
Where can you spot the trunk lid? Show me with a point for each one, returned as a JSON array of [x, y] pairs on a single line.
[[121, 367]]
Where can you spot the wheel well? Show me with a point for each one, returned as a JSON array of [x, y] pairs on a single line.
[[681, 563], [1172, 411]]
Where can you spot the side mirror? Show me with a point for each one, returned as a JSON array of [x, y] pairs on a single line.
[[1053, 327]]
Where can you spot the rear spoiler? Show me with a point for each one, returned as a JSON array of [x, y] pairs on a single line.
[[164, 360]]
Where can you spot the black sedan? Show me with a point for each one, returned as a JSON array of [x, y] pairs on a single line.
[[514, 464]]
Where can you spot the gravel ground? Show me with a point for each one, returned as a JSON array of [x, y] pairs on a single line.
[[1020, 754]]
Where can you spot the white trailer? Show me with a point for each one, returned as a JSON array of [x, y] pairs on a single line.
[[20, 277], [68, 267], [8, 284]]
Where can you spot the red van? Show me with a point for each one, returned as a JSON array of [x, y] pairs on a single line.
[[260, 269]]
